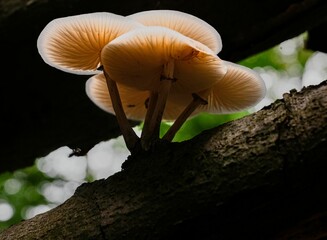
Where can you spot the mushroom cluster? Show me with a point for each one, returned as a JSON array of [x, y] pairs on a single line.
[[150, 66]]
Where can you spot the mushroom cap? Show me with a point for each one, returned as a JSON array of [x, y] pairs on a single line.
[[187, 24], [136, 59], [133, 101], [73, 44], [241, 88]]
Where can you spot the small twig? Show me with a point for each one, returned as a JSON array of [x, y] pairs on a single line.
[[197, 101], [128, 133]]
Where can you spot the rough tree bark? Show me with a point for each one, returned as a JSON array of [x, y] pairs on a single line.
[[273, 162], [43, 108]]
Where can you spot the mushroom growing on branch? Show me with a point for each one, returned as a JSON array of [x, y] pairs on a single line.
[[241, 88], [158, 59], [153, 65], [134, 102], [74, 44]]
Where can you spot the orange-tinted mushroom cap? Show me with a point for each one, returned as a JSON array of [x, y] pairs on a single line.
[[187, 24], [241, 88], [73, 44], [134, 101], [136, 59]]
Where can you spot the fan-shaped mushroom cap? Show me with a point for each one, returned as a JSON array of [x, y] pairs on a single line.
[[134, 101], [73, 44], [136, 59], [241, 88], [187, 24]]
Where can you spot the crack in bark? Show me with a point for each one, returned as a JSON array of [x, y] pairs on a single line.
[[98, 207]]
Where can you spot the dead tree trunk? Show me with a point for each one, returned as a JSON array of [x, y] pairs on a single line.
[[259, 177]]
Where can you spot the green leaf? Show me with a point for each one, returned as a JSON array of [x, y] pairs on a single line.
[[199, 123]]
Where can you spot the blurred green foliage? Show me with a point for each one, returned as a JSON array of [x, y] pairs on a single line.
[[270, 57], [274, 58], [22, 192], [199, 123]]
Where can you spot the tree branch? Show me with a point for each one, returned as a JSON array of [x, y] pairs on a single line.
[[268, 161]]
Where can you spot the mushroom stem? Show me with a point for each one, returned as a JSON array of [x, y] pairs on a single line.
[[157, 103], [197, 101], [152, 103], [128, 133]]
